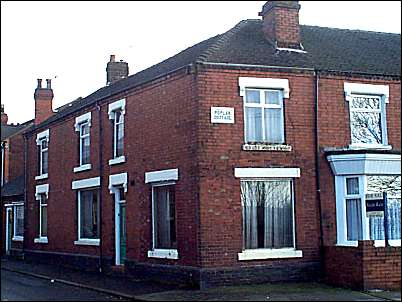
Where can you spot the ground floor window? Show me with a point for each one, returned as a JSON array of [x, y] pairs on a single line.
[[42, 215], [362, 209], [18, 221], [164, 217], [268, 220], [392, 186], [88, 214]]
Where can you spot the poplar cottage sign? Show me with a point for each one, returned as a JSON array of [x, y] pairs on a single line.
[[222, 115]]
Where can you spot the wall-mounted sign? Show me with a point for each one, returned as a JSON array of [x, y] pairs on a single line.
[[374, 202], [265, 147], [222, 115]]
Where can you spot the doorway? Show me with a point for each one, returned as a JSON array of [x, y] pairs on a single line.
[[120, 226], [9, 229]]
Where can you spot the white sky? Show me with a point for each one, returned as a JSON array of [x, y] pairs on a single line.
[[71, 42]]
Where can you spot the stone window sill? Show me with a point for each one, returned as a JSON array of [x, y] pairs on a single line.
[[82, 168], [94, 242], [18, 238], [41, 240], [43, 176], [266, 147], [260, 254], [117, 160], [167, 254], [369, 146]]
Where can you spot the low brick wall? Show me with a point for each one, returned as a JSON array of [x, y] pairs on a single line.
[[363, 267]]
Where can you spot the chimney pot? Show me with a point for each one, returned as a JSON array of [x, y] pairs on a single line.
[[4, 116], [48, 83], [39, 83], [112, 58]]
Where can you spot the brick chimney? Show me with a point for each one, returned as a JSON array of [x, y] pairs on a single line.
[[4, 116], [115, 70], [281, 23], [43, 101]]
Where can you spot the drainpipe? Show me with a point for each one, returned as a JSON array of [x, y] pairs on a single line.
[[100, 169], [25, 195], [317, 167]]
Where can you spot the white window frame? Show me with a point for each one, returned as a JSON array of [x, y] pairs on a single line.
[[359, 165], [155, 252], [40, 137], [262, 105], [83, 184], [382, 91], [15, 205], [341, 218], [119, 105], [41, 190], [269, 174], [264, 84], [81, 240], [81, 121]]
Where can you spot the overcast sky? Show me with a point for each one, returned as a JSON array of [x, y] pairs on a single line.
[[71, 42]]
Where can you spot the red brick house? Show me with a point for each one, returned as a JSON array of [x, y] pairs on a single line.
[[12, 185], [249, 157]]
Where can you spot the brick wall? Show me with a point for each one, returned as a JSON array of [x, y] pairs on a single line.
[[159, 134], [334, 131], [220, 151], [363, 267]]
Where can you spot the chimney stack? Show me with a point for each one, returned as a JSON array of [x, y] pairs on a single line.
[[4, 116], [115, 70], [43, 101], [281, 23]]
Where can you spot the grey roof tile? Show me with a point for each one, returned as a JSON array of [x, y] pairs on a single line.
[[326, 49]]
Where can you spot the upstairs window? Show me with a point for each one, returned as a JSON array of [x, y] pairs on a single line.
[[42, 141], [263, 116], [116, 115], [84, 144], [366, 120], [367, 114], [83, 127], [118, 134]]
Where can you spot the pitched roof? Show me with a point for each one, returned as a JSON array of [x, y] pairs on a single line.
[[13, 187], [326, 49], [9, 130]]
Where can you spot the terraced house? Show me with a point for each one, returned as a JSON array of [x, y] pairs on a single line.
[[261, 154]]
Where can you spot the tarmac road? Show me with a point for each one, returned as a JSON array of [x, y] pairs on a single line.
[[19, 287]]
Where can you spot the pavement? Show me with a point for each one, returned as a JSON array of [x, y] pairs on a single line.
[[131, 289]]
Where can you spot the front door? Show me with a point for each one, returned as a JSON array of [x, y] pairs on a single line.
[[9, 229], [120, 226]]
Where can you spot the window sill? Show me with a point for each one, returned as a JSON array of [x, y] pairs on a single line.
[[41, 240], [167, 254], [117, 160], [266, 147], [260, 254], [381, 243], [94, 242], [18, 238], [82, 168], [348, 244], [43, 176], [369, 146]]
